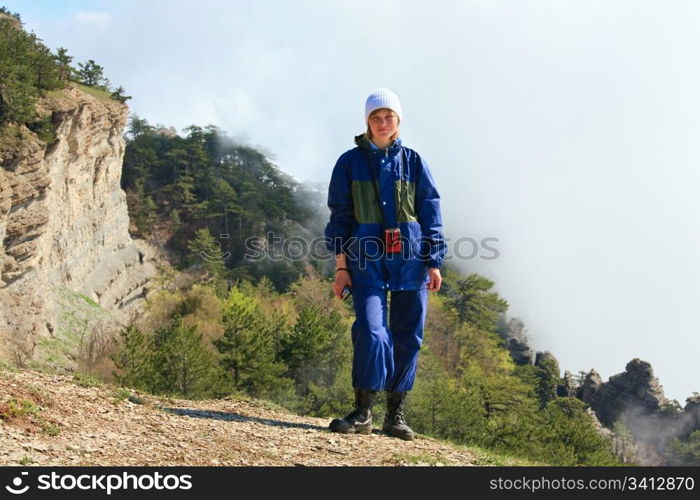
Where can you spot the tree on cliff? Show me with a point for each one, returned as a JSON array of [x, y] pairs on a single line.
[[120, 95], [27, 69], [92, 75], [4, 10], [65, 70]]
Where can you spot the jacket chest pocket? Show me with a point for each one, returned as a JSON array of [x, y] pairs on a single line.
[[405, 201], [365, 202]]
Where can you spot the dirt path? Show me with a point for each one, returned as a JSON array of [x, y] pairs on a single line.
[[69, 424]]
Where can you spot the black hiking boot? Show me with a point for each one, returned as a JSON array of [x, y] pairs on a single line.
[[394, 420], [358, 421]]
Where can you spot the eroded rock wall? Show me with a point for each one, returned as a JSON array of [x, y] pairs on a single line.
[[64, 220]]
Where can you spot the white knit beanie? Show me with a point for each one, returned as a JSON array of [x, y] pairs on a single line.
[[382, 98]]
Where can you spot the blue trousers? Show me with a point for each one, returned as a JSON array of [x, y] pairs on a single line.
[[385, 356]]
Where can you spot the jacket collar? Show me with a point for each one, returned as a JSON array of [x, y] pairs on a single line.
[[363, 143]]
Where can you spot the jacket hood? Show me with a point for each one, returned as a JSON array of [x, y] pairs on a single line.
[[362, 142]]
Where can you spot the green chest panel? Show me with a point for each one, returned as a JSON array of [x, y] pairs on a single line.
[[366, 204]]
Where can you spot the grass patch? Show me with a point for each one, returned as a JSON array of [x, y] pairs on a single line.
[[26, 411], [14, 408], [61, 93], [37, 391], [79, 320], [6, 367], [25, 460], [122, 394], [49, 429], [63, 348], [39, 394], [100, 94], [84, 380], [49, 369], [89, 300], [484, 457]]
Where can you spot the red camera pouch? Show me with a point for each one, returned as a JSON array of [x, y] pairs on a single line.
[[392, 240]]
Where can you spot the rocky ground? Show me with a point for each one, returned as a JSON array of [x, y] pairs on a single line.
[[48, 419]]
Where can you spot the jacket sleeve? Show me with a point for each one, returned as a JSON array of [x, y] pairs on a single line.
[[429, 216], [339, 228]]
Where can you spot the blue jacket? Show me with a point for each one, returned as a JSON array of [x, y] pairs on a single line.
[[411, 203]]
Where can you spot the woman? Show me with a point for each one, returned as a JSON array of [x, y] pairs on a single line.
[[386, 232]]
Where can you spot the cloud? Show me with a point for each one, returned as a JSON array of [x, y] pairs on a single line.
[[98, 20]]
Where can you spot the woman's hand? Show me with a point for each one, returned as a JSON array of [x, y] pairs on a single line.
[[435, 279], [342, 278]]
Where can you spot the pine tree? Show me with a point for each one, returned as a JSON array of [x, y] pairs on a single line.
[[308, 349], [173, 360], [65, 70], [182, 363], [138, 127], [46, 72], [175, 221], [133, 359], [204, 249], [92, 75], [146, 216], [4, 10], [547, 374], [684, 451], [474, 301], [248, 346], [120, 95], [27, 68], [571, 436]]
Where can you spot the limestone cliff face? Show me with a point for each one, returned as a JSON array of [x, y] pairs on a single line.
[[64, 221]]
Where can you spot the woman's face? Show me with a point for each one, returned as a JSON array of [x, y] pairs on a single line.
[[383, 123]]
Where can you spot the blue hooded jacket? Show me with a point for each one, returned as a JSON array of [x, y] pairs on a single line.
[[409, 200]]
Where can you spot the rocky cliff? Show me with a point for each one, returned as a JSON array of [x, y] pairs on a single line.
[[64, 222]]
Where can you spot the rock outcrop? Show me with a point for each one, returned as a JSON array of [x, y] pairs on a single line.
[[591, 384], [635, 399], [513, 332], [64, 221], [633, 392], [568, 387]]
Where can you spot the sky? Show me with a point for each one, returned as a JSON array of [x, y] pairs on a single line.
[[565, 131]]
